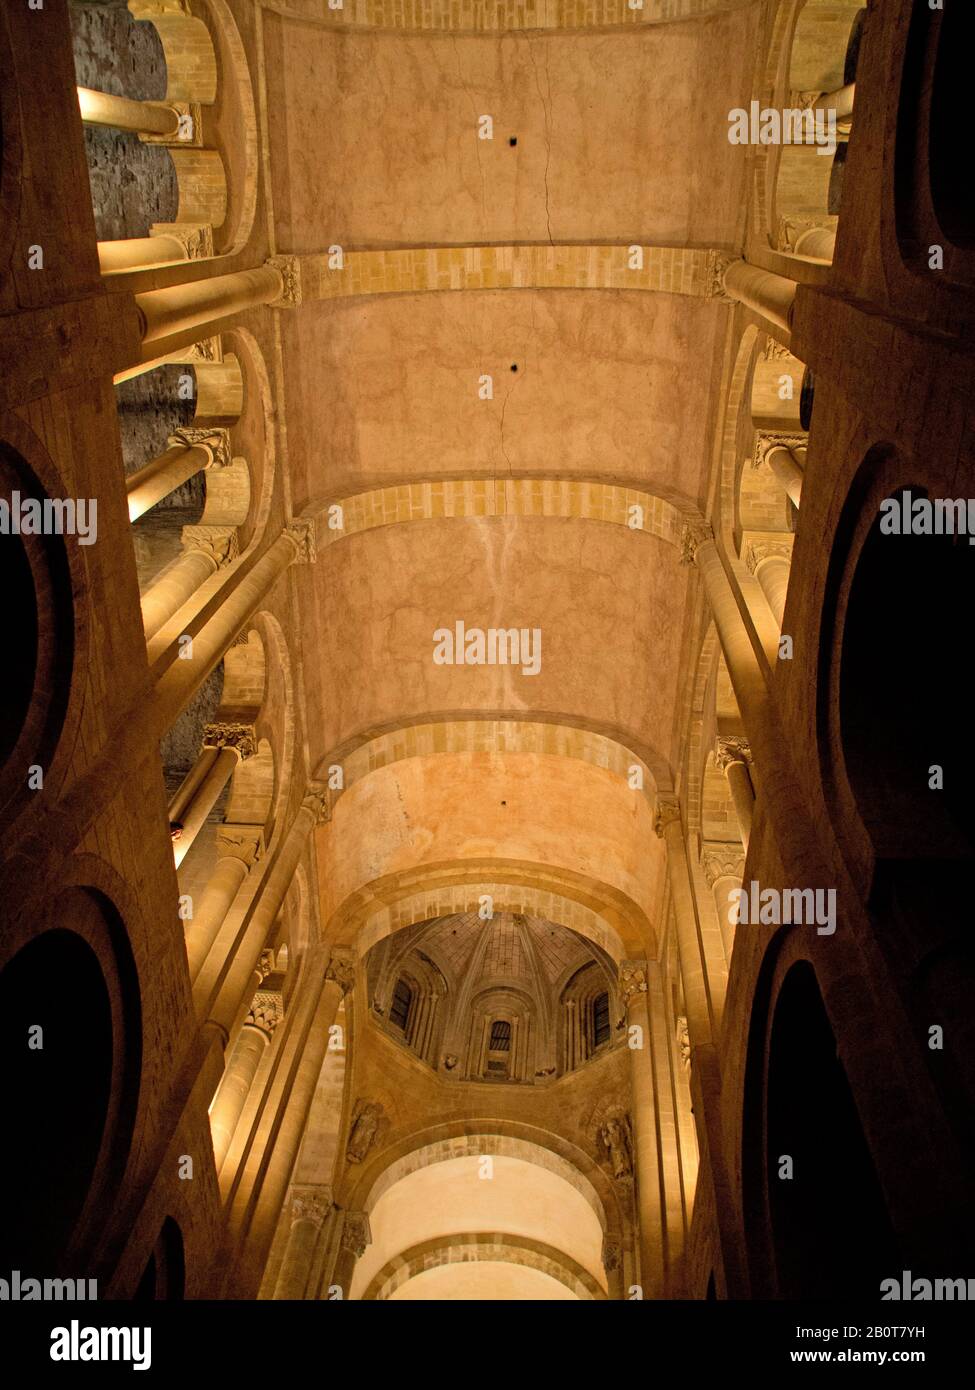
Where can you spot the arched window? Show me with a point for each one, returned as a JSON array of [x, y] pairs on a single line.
[[500, 1035], [399, 1009], [600, 1020]]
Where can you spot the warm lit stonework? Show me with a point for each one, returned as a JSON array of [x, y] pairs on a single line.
[[480, 786]]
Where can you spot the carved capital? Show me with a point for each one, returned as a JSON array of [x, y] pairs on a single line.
[[218, 542], [341, 970], [722, 861], [775, 352], [731, 749], [240, 737], [243, 842], [301, 529], [196, 238], [205, 350], [215, 441], [316, 800], [683, 1042], [356, 1234], [311, 1202], [633, 979], [765, 443], [612, 1254], [717, 265], [289, 268], [667, 813], [692, 536], [266, 1012], [756, 551]]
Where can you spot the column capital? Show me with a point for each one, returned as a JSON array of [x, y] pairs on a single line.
[[196, 238], [776, 352], [692, 536], [341, 970], [356, 1233], [765, 443], [266, 1012], [316, 800], [633, 979], [301, 529], [243, 842], [226, 734], [719, 860], [759, 549], [730, 749], [717, 264], [289, 268], [311, 1202], [215, 441], [683, 1041], [666, 813], [218, 542]]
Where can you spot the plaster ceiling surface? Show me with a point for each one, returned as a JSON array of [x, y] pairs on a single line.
[[509, 1196], [374, 136], [607, 605], [611, 384]]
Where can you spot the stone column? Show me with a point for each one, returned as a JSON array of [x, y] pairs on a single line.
[[122, 113], [783, 463], [724, 868], [356, 1237], [225, 746], [732, 757], [311, 1203], [261, 1186], [188, 452], [698, 547], [224, 984], [238, 848], [243, 591], [698, 973], [816, 243], [176, 314], [769, 558], [137, 252], [265, 1014], [650, 1199], [771, 296], [206, 549], [841, 101]]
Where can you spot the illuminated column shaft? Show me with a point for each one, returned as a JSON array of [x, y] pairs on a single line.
[[787, 470], [724, 867], [231, 963], [131, 253], [311, 1204], [818, 243], [264, 1016], [732, 758], [262, 1184], [771, 296], [206, 550], [122, 113], [647, 1157], [178, 311], [225, 745], [188, 452]]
